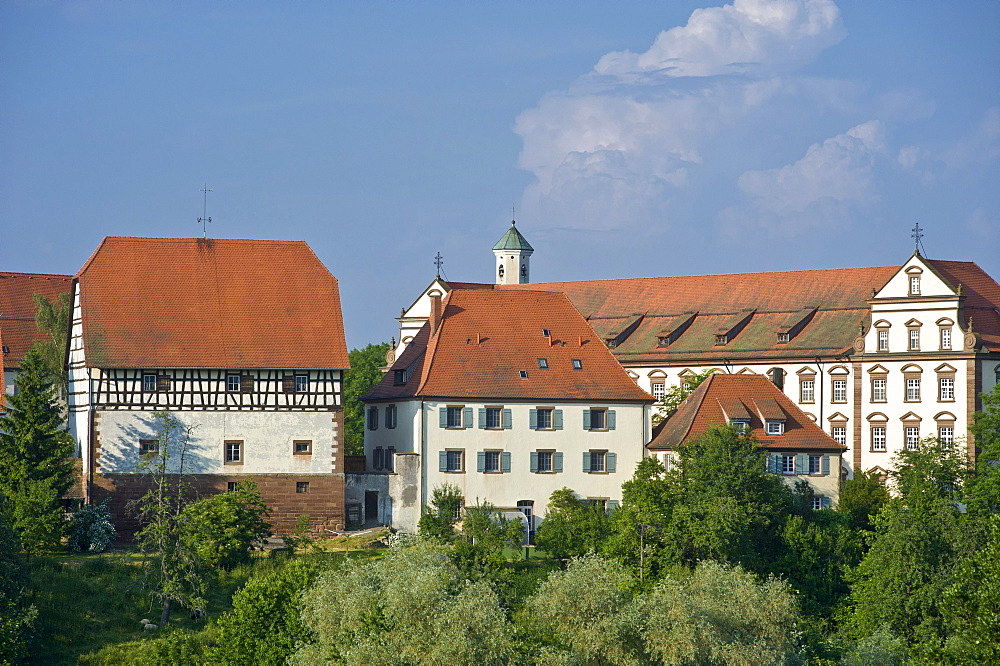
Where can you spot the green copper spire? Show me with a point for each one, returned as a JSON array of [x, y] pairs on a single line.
[[513, 240]]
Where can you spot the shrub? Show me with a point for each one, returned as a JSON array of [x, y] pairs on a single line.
[[223, 528], [91, 529]]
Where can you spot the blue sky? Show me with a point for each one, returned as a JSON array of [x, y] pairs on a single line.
[[634, 138]]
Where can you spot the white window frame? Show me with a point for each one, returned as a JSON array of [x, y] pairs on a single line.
[[301, 383], [879, 389], [455, 411], [945, 338], [234, 383], [911, 437], [883, 340], [839, 434], [548, 416], [807, 391], [839, 390], [775, 427], [786, 463], [454, 460], [946, 434], [946, 389], [913, 334], [912, 389], [658, 389], [914, 285], [493, 461], [149, 382], [601, 460], [232, 452], [546, 462], [493, 418], [878, 439]]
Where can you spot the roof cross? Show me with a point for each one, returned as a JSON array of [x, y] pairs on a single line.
[[204, 219], [916, 236], [437, 262]]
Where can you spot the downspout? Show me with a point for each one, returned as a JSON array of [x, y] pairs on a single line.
[[819, 364]]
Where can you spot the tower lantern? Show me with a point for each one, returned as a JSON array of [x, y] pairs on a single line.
[[513, 257]]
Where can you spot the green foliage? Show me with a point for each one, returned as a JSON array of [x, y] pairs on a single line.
[[984, 486], [301, 538], [881, 647], [930, 472], [643, 520], [364, 374], [17, 615], [572, 526], [412, 606], [175, 648], [34, 447], [818, 547], [440, 514], [52, 318], [222, 529], [862, 498], [91, 529], [265, 625], [673, 396], [485, 535]]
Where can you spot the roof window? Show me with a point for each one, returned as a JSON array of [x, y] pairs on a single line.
[[546, 333], [524, 374], [577, 364], [543, 363]]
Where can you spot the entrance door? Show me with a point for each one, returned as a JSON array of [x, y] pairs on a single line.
[[527, 507], [371, 507]]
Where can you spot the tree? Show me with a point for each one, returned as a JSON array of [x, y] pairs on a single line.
[[572, 526], [930, 472], [441, 513], [485, 534], [365, 373], [34, 449], [862, 498], [52, 318], [174, 572], [17, 617], [411, 606], [675, 395], [91, 529], [984, 486], [222, 529], [265, 626]]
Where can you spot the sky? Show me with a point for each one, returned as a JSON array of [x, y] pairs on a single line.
[[629, 139]]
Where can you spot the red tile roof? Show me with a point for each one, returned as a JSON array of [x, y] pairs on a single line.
[[982, 298], [737, 396], [487, 337], [222, 303], [17, 309]]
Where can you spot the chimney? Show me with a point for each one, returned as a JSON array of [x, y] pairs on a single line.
[[435, 311]]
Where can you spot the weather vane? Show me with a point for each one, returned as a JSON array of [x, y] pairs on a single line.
[[916, 236], [437, 262], [204, 219]]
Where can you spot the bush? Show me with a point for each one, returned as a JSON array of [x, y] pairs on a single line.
[[223, 528], [91, 529]]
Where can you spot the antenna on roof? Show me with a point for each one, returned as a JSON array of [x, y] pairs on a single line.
[[437, 262], [917, 234], [204, 219]]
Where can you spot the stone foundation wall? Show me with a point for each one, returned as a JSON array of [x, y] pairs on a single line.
[[323, 503]]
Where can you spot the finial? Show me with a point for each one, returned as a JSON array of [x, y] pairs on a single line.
[[959, 290], [204, 219], [437, 262], [393, 342], [916, 236], [969, 328]]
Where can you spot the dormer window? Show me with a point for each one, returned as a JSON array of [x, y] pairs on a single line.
[[399, 377], [741, 425], [721, 339], [783, 338], [611, 342], [775, 427], [663, 341]]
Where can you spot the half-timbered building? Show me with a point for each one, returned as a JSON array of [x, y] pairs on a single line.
[[241, 341]]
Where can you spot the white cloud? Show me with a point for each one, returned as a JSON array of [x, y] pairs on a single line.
[[829, 183], [746, 36]]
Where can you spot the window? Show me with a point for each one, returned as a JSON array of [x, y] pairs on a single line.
[[807, 390], [373, 418], [494, 418], [721, 339], [913, 389], [387, 460], [741, 425], [775, 427], [878, 389], [598, 503], [946, 389], [787, 463], [233, 383], [878, 438], [301, 486], [819, 502], [543, 419], [543, 363], [914, 285], [945, 338], [546, 333], [233, 452], [658, 390], [163, 382], [783, 338], [599, 462], [839, 434], [840, 390], [148, 383], [577, 364], [598, 419], [399, 377], [523, 374], [912, 434], [232, 486], [302, 447], [390, 416], [778, 377], [491, 462], [455, 416], [149, 447], [544, 462], [947, 436], [883, 339], [301, 383], [914, 339], [815, 464], [378, 458], [452, 460]]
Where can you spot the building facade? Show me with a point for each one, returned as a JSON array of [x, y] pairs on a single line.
[[240, 341]]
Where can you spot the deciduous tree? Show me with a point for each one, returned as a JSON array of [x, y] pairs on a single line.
[[364, 374], [441, 513], [52, 319], [224, 528], [572, 526]]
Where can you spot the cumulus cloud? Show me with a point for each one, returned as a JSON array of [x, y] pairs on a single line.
[[744, 37], [830, 182], [978, 147], [620, 143]]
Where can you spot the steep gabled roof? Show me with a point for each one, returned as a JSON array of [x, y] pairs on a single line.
[[223, 303], [486, 338], [742, 397], [982, 298], [17, 309]]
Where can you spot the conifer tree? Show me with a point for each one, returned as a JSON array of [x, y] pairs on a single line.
[[34, 449]]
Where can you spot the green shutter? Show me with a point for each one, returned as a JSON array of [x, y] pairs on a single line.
[[481, 461], [826, 465], [533, 419], [557, 419], [443, 414], [505, 462], [826, 502], [507, 419], [801, 463], [559, 461], [482, 418], [612, 505], [612, 462], [775, 464], [467, 418], [611, 419], [534, 462], [586, 424], [586, 461], [442, 461]]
